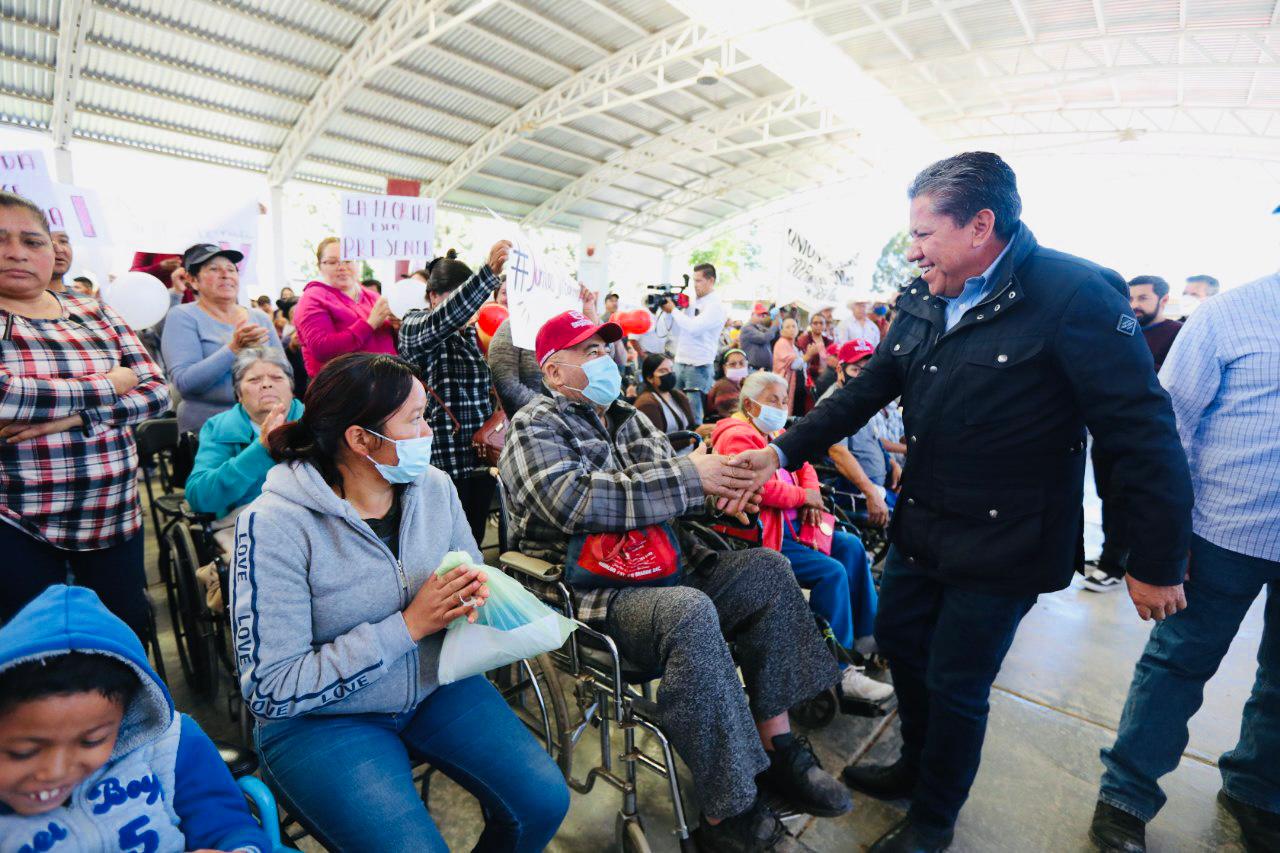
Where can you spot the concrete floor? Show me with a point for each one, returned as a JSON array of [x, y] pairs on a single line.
[[1056, 702]]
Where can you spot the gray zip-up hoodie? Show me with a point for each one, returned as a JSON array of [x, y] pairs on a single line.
[[316, 597]]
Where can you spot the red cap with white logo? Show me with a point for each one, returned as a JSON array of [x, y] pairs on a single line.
[[855, 351], [568, 330]]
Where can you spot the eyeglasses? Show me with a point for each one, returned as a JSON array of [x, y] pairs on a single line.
[[331, 262]]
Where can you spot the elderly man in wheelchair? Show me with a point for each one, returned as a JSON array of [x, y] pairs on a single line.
[[593, 485]]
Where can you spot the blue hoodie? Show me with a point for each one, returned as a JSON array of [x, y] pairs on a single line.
[[164, 788]]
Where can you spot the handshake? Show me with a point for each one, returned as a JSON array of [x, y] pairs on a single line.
[[735, 481]]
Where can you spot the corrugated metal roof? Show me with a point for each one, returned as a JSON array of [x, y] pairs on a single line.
[[227, 80]]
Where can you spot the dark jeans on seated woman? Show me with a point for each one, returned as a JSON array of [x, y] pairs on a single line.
[[116, 574], [349, 778]]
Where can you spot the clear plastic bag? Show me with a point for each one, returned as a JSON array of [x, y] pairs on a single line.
[[513, 624]]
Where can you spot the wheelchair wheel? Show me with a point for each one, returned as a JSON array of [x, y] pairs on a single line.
[[818, 712], [523, 698], [191, 629], [630, 836]]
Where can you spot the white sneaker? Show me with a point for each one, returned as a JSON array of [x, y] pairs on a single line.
[[1096, 580], [856, 685]]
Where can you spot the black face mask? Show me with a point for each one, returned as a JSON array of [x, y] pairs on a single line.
[[666, 383], [849, 376]]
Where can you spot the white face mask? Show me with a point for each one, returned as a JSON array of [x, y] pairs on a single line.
[[770, 419]]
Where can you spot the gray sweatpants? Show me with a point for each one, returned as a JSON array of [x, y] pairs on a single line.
[[749, 598]]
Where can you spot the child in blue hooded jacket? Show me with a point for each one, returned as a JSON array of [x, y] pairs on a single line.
[[92, 754]]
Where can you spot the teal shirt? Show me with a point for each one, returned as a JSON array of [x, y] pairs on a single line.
[[231, 463]]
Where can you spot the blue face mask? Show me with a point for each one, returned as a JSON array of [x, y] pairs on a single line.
[[604, 382], [771, 418], [413, 458]]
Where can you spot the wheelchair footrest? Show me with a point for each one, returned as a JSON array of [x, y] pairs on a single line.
[[860, 708]]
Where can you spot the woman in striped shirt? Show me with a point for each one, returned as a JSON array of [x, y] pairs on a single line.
[[73, 379]]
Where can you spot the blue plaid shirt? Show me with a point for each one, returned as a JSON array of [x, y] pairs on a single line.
[[1223, 374]]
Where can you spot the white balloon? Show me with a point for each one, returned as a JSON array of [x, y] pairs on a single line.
[[139, 297], [405, 295]]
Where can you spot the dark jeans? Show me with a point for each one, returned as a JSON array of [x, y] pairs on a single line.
[[1115, 552], [476, 492], [944, 645], [349, 777], [116, 574], [1168, 686]]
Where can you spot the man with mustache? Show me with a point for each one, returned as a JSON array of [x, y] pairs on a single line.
[[1003, 352]]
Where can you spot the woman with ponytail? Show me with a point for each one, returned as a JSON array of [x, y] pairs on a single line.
[[339, 617], [442, 343]]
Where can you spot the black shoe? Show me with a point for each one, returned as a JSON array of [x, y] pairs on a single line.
[[908, 837], [754, 831], [1116, 831], [796, 774], [1259, 827], [895, 781]]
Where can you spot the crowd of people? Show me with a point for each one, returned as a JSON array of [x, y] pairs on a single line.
[[336, 447]]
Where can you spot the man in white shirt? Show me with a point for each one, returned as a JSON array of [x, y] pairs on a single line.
[[699, 328], [859, 326]]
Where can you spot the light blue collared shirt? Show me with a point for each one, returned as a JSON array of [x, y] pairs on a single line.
[[975, 290], [1223, 377]]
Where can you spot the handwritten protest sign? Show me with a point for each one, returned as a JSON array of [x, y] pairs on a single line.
[[69, 209], [387, 226], [236, 229], [807, 273]]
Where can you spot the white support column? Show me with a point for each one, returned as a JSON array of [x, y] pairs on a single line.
[[666, 267], [62, 170], [593, 256], [74, 17], [277, 236]]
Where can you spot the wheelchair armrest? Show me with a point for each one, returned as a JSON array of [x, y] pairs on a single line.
[[531, 566], [265, 804], [194, 517]]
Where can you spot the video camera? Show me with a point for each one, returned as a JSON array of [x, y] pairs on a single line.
[[660, 293]]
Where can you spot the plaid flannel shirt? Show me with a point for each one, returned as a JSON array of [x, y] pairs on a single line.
[[75, 489], [445, 351], [565, 473]]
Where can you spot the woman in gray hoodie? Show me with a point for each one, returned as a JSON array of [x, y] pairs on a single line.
[[339, 617]]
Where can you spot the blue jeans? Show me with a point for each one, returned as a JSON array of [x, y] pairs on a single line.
[[349, 779], [695, 377], [944, 645], [1168, 686], [841, 589]]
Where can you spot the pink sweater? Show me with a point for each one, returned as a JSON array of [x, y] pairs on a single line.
[[329, 324]]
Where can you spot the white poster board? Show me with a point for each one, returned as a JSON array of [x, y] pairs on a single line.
[[236, 230], [387, 226], [538, 288], [807, 275], [69, 209]]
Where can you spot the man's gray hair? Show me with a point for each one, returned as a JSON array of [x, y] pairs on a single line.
[[960, 186], [755, 384], [249, 356]]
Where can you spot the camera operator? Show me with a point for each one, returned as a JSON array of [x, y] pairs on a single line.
[[699, 337]]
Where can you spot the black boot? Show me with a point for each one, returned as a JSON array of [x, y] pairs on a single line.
[[894, 781], [795, 773], [1259, 827], [756, 830], [908, 837], [1116, 831]]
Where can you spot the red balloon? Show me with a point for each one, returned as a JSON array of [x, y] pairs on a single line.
[[491, 316], [637, 322]]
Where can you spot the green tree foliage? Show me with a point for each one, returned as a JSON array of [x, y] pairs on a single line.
[[730, 255], [892, 268]]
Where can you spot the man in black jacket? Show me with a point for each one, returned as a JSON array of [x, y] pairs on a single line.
[[1003, 353]]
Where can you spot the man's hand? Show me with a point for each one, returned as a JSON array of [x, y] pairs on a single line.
[[498, 256], [761, 464], [14, 432], [722, 478], [877, 509], [668, 306], [1155, 602]]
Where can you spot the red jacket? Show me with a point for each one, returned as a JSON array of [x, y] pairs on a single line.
[[734, 435]]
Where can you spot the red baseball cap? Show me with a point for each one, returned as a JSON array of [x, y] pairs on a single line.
[[570, 329], [760, 308], [832, 349], [856, 350]]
